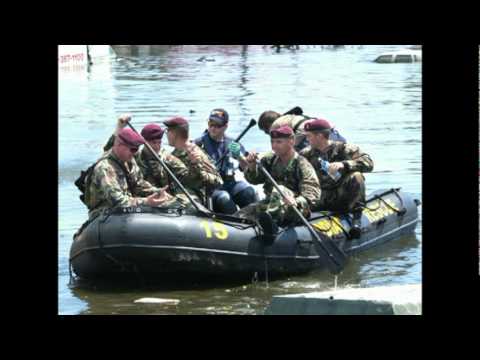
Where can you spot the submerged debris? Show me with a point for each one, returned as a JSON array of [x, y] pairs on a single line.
[[204, 58], [157, 301]]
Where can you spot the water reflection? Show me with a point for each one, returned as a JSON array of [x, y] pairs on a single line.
[[393, 259], [244, 76]]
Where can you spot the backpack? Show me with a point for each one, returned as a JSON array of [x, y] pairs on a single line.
[[83, 181]]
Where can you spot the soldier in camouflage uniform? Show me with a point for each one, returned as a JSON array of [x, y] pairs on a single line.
[[202, 178], [270, 120], [294, 175], [116, 179], [151, 168], [346, 162]]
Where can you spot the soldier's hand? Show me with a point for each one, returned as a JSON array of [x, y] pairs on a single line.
[[242, 162], [334, 167], [251, 160], [289, 200], [194, 156], [157, 198], [168, 196], [162, 191], [123, 119]]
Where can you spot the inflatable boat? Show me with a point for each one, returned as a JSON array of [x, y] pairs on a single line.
[[173, 244]]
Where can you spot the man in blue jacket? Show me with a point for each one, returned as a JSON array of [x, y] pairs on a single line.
[[214, 142]]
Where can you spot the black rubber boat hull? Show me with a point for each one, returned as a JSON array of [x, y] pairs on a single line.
[[167, 245]]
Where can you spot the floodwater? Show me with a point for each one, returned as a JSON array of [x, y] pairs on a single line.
[[375, 106]]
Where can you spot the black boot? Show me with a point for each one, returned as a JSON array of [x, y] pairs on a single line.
[[269, 227], [356, 229]]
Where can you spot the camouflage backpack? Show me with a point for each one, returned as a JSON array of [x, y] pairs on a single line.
[[83, 181]]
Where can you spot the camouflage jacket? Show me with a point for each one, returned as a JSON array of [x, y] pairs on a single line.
[[298, 175], [155, 173], [152, 170], [350, 155], [108, 186], [200, 175]]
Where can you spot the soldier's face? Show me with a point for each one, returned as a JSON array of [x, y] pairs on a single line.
[[155, 144], [171, 137], [282, 146], [315, 139], [124, 152]]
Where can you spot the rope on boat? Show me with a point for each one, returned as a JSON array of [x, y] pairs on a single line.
[[399, 212], [332, 219]]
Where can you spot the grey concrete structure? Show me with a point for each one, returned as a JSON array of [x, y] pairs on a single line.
[[388, 300]]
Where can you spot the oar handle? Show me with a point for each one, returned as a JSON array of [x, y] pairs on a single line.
[[167, 169], [252, 123]]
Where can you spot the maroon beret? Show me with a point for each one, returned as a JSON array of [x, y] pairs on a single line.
[[130, 137], [219, 116], [317, 125], [176, 121], [152, 132], [284, 131]]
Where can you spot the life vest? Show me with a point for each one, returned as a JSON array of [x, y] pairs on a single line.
[[226, 167]]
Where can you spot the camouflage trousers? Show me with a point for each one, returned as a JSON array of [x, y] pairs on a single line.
[[181, 200], [346, 197], [275, 205]]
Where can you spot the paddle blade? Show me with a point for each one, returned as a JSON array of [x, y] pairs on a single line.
[[334, 258]]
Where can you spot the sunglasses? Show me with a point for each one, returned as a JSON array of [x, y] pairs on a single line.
[[133, 150], [215, 125]]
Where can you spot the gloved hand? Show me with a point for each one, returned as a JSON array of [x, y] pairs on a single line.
[[234, 149], [122, 120]]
